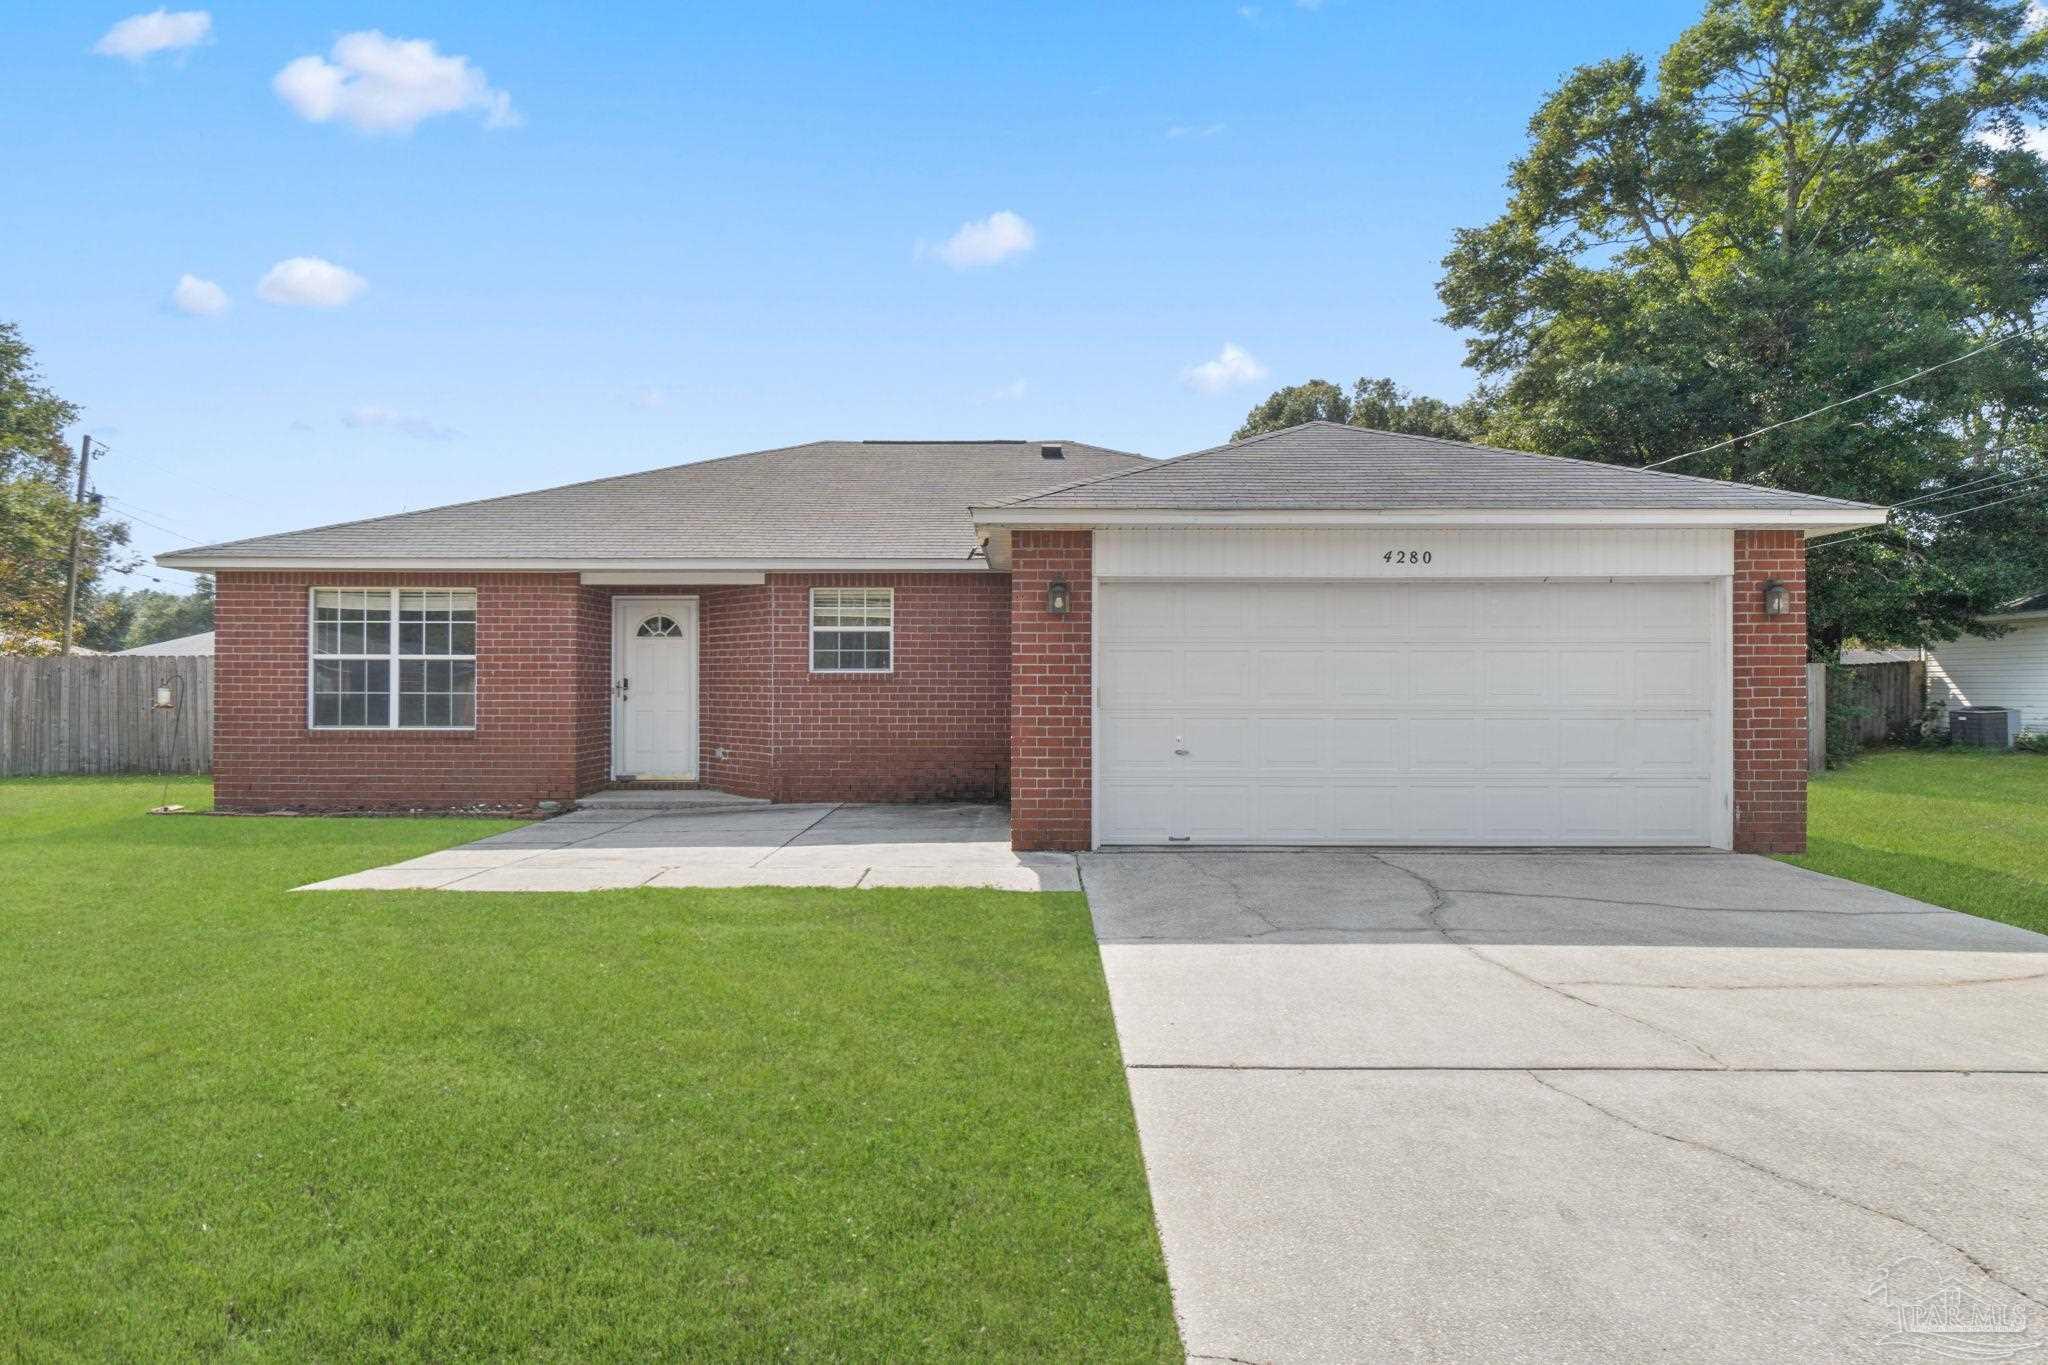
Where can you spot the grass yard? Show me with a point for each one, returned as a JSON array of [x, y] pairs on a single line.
[[634, 1124], [1956, 827]]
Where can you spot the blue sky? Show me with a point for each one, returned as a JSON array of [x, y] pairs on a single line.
[[611, 238]]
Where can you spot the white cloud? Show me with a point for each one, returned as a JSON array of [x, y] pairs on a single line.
[[141, 36], [1233, 366], [1248, 13], [405, 424], [309, 282], [650, 399], [1011, 391], [2037, 16], [388, 85], [201, 298], [998, 237], [1194, 129]]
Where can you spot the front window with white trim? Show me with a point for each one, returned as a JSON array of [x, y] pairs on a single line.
[[393, 659], [853, 630]]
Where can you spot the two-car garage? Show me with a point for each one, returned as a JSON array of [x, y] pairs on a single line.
[[1333, 635], [1494, 712], [1415, 706]]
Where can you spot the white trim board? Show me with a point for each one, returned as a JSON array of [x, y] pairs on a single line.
[[666, 567], [1813, 522]]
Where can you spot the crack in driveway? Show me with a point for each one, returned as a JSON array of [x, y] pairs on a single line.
[[1440, 900], [1689, 909], [1794, 1181]]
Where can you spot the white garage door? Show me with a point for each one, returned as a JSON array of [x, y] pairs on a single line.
[[1409, 712]]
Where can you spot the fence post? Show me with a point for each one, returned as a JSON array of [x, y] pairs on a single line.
[[1816, 717]]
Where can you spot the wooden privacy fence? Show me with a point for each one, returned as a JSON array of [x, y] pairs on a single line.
[[1892, 697], [99, 715]]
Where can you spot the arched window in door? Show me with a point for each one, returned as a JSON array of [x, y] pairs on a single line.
[[658, 628]]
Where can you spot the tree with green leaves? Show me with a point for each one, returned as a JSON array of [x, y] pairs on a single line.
[[125, 620], [1803, 202], [1378, 403], [37, 507]]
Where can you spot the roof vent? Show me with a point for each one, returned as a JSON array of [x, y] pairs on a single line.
[[1052, 452]]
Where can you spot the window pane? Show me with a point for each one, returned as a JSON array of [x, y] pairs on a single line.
[[411, 635], [412, 709]]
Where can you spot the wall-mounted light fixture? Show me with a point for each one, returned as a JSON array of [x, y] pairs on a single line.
[[1059, 598], [1777, 598]]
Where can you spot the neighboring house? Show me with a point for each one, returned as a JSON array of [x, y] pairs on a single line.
[[1319, 635], [2009, 671], [1853, 657], [202, 643]]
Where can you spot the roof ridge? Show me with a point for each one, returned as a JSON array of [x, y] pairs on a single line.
[[1144, 468]]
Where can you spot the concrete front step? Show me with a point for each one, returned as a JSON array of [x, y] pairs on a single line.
[[657, 802]]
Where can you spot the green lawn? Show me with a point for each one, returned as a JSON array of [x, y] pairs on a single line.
[[638, 1124], [1956, 827]]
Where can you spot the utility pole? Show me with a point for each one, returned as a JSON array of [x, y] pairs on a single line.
[[77, 541]]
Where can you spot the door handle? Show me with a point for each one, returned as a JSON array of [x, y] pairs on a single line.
[[622, 688], [1182, 752]]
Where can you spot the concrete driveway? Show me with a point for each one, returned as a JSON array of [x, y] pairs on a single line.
[[1579, 1107], [636, 843]]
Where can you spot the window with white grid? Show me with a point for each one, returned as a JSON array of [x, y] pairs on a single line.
[[853, 630], [393, 658]]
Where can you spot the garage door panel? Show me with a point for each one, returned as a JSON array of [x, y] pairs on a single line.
[[1366, 813], [1596, 675], [1216, 742], [1595, 815], [1436, 676], [1520, 611], [1364, 676], [1671, 745], [1521, 814], [1139, 812], [1673, 611], [1451, 815], [1666, 814], [1140, 676], [1448, 611], [1518, 745], [1291, 814], [1225, 611], [1290, 611], [1290, 675], [1444, 744], [1291, 743], [1590, 745], [1360, 744], [1671, 677], [1217, 812], [1138, 612], [1134, 743], [1219, 676], [1367, 612], [1518, 677], [1413, 712]]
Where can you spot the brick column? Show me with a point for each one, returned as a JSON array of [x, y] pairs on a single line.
[[1051, 692], [1770, 695]]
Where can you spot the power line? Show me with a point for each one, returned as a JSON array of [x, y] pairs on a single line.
[[1973, 487], [1946, 516], [1844, 402]]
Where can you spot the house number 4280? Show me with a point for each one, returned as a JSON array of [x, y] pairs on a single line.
[[1405, 557]]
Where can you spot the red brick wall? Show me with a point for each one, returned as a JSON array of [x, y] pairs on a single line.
[[523, 749], [1052, 687], [937, 727], [1770, 695]]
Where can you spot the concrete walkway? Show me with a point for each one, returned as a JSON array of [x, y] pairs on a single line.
[[1585, 1107], [750, 845]]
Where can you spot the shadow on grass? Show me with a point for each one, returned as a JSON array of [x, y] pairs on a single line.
[[1981, 891]]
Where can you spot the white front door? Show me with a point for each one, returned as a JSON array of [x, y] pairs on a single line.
[[1519, 712], [654, 688]]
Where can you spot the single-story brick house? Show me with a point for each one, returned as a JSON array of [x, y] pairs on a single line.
[[1319, 635]]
